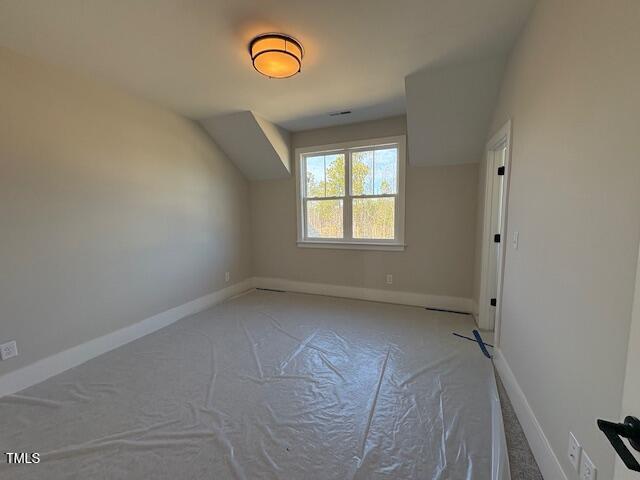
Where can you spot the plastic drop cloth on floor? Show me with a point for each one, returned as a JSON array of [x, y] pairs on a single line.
[[268, 386]]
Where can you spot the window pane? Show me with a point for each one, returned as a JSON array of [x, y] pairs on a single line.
[[385, 171], [362, 173], [374, 218], [375, 172], [335, 175], [315, 176], [324, 219], [325, 175]]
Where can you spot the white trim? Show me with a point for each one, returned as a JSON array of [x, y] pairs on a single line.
[[502, 138], [59, 362], [505, 132], [370, 294], [394, 247], [358, 144], [545, 457], [348, 147]]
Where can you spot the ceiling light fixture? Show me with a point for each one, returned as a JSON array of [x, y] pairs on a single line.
[[276, 55]]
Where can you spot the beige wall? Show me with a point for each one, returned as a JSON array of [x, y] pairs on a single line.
[[112, 209], [571, 89], [440, 227]]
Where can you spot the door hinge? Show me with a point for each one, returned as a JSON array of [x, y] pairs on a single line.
[[493, 302], [496, 238], [501, 170]]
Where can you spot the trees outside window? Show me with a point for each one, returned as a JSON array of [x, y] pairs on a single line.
[[351, 194]]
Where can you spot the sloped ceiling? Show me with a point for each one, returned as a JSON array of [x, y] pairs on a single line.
[[191, 55], [259, 148], [449, 110], [448, 115]]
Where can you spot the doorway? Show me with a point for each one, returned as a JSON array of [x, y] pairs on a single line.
[[498, 155]]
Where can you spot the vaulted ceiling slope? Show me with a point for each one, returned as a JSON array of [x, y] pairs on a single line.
[[449, 110], [259, 148], [191, 55]]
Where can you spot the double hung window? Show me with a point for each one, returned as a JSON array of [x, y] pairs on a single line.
[[352, 195]]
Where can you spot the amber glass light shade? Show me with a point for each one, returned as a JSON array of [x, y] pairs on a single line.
[[276, 55]]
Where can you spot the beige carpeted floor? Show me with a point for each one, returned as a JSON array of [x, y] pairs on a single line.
[[523, 465]]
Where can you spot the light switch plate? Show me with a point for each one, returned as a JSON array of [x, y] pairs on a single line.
[[574, 451], [588, 470], [8, 350]]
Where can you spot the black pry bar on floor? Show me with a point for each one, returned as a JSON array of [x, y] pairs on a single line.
[[476, 334], [271, 290], [471, 339], [446, 311]]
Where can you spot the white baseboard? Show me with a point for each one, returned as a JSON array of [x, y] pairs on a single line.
[[360, 293], [547, 461], [48, 367]]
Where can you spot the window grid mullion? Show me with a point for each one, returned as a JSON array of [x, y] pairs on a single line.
[[347, 221], [381, 195], [324, 161], [324, 198], [373, 172]]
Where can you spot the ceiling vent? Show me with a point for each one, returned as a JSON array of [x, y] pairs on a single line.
[[338, 114]]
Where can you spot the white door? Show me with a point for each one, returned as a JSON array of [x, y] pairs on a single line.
[[493, 225], [499, 156], [631, 397]]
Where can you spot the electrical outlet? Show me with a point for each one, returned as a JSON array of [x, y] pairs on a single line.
[[8, 350], [389, 279], [574, 452], [515, 240], [588, 470], [226, 276]]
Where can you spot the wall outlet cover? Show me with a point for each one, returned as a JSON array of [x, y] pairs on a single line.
[[389, 279], [574, 452], [226, 276], [588, 470], [8, 350]]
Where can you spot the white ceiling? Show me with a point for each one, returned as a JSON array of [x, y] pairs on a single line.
[[190, 55]]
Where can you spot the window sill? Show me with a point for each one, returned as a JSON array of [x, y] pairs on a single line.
[[393, 247]]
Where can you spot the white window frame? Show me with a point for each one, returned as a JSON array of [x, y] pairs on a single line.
[[348, 242]]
